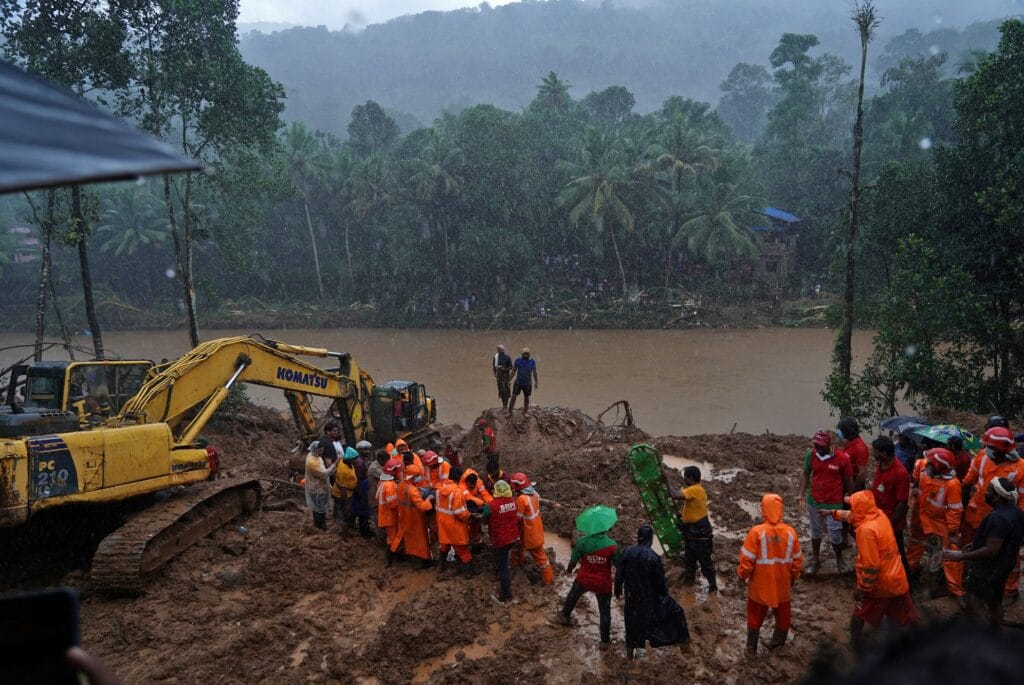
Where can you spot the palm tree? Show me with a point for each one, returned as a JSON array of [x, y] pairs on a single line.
[[553, 91], [865, 19], [435, 183], [370, 191], [684, 150], [306, 162], [599, 190], [713, 232], [134, 220]]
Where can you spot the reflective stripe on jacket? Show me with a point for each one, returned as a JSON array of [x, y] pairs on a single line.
[[770, 559]]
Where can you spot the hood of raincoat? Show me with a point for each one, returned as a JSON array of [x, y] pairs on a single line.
[[771, 508], [350, 454], [502, 489], [314, 447], [399, 444], [863, 506], [412, 471], [645, 536], [364, 445]]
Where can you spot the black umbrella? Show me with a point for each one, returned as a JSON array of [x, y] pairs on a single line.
[[904, 425], [51, 137]]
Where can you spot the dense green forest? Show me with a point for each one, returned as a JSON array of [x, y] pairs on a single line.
[[573, 210]]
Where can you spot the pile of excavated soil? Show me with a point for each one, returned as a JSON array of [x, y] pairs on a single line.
[[271, 599]]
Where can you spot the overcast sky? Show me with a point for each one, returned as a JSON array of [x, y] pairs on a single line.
[[336, 13]]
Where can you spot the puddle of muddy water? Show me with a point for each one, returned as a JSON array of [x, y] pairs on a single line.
[[561, 546], [708, 471], [753, 509]]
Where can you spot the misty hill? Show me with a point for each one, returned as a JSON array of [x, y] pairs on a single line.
[[420, 65]]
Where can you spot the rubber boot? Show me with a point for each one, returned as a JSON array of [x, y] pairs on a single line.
[[841, 565], [427, 563], [778, 638], [548, 575], [752, 637], [442, 565], [390, 558]]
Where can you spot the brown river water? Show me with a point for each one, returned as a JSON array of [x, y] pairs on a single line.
[[677, 382]]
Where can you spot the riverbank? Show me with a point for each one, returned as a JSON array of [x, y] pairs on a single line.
[[616, 314]]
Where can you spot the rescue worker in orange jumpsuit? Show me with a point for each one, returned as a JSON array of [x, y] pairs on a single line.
[[412, 517], [770, 560], [998, 459], [940, 509], [453, 525], [531, 527], [435, 470], [476, 496], [387, 505], [882, 588]]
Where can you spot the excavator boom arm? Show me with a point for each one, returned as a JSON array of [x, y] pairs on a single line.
[[201, 379]]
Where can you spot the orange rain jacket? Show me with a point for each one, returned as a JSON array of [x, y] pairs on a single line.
[[387, 502], [452, 515], [412, 521], [479, 495], [435, 476], [983, 470], [770, 558], [939, 505], [528, 505], [880, 571]]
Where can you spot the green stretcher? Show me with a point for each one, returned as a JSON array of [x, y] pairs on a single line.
[[645, 467]]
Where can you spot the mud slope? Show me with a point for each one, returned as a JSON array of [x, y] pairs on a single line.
[[272, 600]]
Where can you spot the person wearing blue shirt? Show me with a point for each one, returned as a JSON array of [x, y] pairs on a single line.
[[524, 380]]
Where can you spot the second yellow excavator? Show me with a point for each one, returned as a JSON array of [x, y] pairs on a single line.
[[151, 442]]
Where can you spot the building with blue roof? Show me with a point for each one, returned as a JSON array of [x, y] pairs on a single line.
[[779, 234]]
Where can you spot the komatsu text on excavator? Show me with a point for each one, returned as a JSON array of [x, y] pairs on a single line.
[[107, 431]]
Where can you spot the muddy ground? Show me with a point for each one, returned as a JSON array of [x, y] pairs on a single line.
[[271, 599]]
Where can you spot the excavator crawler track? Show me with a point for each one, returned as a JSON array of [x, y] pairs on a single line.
[[135, 551]]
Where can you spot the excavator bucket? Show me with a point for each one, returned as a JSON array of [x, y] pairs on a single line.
[[645, 467]]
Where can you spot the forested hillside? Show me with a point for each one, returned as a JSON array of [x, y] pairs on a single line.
[[418, 66]]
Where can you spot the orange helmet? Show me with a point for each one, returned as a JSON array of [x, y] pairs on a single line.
[[430, 458], [519, 481], [998, 438], [393, 467], [940, 459]]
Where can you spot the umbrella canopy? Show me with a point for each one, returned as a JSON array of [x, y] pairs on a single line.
[[944, 432], [904, 425], [51, 137], [596, 519]]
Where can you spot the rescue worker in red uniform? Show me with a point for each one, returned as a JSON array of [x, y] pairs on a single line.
[[596, 554], [502, 518]]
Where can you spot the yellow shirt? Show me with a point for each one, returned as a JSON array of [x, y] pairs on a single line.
[[696, 505]]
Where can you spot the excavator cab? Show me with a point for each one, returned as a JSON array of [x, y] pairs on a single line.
[[400, 408], [60, 396]]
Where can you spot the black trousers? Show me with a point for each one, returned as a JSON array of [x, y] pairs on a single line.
[[500, 555], [698, 551], [320, 520], [604, 607]]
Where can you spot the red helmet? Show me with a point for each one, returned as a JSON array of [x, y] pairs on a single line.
[[431, 458], [519, 481], [998, 438], [941, 460], [393, 467], [822, 438]]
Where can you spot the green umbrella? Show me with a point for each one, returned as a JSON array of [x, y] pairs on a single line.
[[596, 519], [944, 432]]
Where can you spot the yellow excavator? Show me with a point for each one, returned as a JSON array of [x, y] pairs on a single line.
[[108, 431]]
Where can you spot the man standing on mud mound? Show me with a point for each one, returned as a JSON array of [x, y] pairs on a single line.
[[502, 518], [501, 365], [882, 589], [488, 442], [770, 560], [531, 528], [830, 476], [524, 381]]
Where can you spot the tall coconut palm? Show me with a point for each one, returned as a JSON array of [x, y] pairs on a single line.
[[370, 192], [435, 185], [306, 161], [600, 189], [715, 232]]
